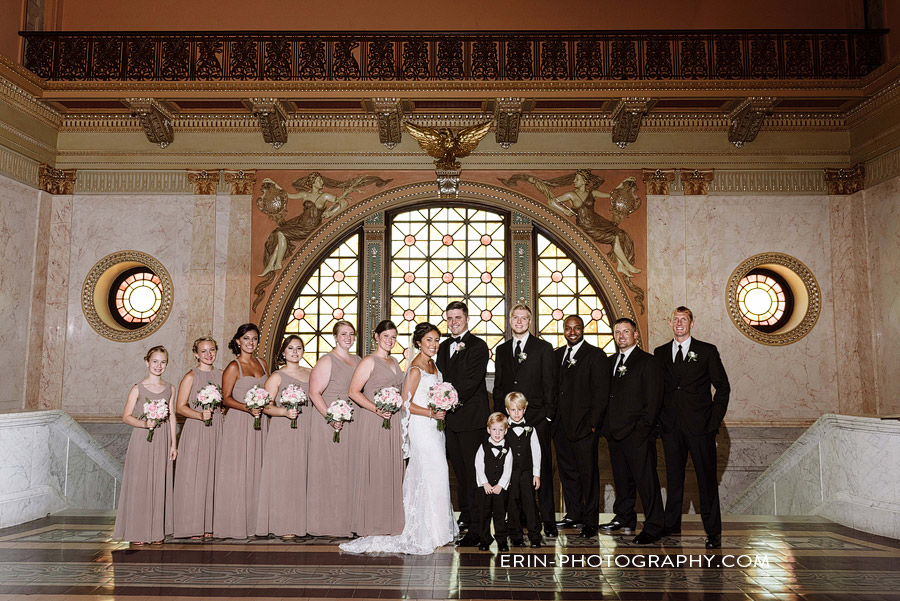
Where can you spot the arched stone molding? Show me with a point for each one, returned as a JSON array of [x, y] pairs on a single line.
[[316, 247]]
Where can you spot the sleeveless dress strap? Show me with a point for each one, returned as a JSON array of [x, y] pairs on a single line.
[[240, 371], [263, 365]]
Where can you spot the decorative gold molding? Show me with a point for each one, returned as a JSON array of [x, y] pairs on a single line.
[[204, 181], [747, 118], [846, 181], [272, 114], [657, 181], [389, 112], [241, 181], [768, 181], [626, 117], [128, 181], [156, 119], [18, 167], [28, 103], [507, 116], [56, 181], [696, 182], [883, 168]]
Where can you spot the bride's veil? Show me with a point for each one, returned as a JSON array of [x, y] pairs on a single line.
[[404, 418]]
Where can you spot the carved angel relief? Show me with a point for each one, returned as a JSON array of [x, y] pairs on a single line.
[[318, 207], [579, 203]]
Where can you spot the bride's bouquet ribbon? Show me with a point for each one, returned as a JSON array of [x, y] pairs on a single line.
[[293, 397], [339, 411], [256, 398], [388, 399], [157, 410], [208, 398], [442, 397]]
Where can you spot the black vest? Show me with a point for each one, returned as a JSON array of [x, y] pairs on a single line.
[[493, 466], [520, 446]]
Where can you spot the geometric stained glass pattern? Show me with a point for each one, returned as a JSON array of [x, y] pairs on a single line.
[[441, 254], [138, 297], [330, 294], [762, 299], [563, 290]]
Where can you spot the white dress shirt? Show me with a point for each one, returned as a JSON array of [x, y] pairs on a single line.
[[685, 347], [523, 339], [626, 353], [574, 351], [454, 345]]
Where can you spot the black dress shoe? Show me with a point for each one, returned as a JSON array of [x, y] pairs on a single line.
[[671, 532], [588, 532], [616, 525], [569, 523], [484, 547], [714, 541], [550, 529], [463, 525], [502, 547], [536, 544], [469, 540], [645, 539], [517, 542]]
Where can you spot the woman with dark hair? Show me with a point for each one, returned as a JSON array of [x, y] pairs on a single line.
[[282, 486], [241, 447], [377, 466], [328, 479], [428, 512], [195, 476]]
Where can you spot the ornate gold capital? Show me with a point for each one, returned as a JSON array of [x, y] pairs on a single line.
[[204, 181], [846, 181], [241, 181], [56, 181], [696, 181], [658, 180]]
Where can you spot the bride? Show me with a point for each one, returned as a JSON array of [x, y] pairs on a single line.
[[426, 487]]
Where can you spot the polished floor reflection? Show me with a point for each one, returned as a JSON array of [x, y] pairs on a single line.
[[71, 556]]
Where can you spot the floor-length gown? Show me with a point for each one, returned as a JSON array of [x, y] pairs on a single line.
[[282, 485], [195, 470], [145, 501], [377, 464], [426, 488], [328, 497], [239, 465]]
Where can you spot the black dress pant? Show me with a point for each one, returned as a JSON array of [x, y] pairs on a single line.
[[677, 445], [579, 474], [545, 493], [633, 462], [488, 508], [461, 449], [522, 501]]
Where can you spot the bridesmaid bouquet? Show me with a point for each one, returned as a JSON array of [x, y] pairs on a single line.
[[339, 411], [158, 411], [388, 399], [208, 398], [293, 397], [442, 397], [256, 398]]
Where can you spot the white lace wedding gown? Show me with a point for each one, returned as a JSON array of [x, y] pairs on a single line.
[[426, 487]]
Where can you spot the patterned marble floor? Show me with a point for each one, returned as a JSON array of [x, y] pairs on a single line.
[[71, 556]]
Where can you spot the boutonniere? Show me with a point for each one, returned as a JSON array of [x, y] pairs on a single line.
[[692, 356], [572, 362], [528, 429], [503, 452], [521, 357], [622, 369], [460, 347]]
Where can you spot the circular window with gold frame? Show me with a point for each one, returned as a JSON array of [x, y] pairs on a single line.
[[773, 299], [127, 296]]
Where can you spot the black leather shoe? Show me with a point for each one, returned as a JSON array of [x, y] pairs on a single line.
[[469, 540], [569, 523], [502, 547], [484, 547], [550, 529], [671, 532], [588, 532], [645, 539], [536, 544], [463, 525], [616, 525], [517, 542], [714, 541]]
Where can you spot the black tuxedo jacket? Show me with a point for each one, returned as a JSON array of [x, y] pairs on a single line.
[[635, 397], [687, 398], [466, 371], [583, 390], [535, 377]]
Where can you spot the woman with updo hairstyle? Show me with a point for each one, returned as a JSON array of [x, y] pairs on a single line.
[[282, 487], [329, 492], [196, 474], [145, 499], [241, 446], [377, 463]]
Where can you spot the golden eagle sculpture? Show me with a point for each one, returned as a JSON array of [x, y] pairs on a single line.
[[446, 146]]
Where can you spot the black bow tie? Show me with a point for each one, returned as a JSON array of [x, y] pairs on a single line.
[[499, 447], [455, 339], [516, 424]]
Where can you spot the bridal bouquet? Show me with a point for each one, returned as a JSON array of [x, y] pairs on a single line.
[[339, 411], [158, 411], [442, 397], [388, 399], [256, 398], [293, 397], [209, 397]]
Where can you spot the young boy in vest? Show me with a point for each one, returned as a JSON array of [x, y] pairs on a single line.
[[493, 469], [523, 443]]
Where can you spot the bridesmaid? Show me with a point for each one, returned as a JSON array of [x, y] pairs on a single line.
[[377, 466], [145, 501], [328, 490], [240, 446], [195, 476], [282, 486]]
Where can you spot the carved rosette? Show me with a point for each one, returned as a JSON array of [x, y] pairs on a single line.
[[846, 181], [627, 116], [204, 181], [746, 119], [56, 181], [156, 119], [696, 181], [657, 181], [241, 181]]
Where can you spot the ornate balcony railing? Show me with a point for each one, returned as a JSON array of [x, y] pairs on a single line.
[[450, 56]]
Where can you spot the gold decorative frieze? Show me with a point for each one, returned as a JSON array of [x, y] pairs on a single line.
[[129, 181], [765, 181], [389, 112], [696, 182], [883, 168], [627, 116], [155, 118], [18, 167], [746, 119], [272, 114], [241, 181], [204, 181], [56, 181], [846, 181], [658, 181]]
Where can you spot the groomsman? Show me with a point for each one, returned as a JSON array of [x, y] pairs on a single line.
[[635, 399], [584, 373], [690, 420], [525, 364], [462, 359]]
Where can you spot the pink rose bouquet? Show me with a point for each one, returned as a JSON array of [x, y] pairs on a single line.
[[339, 411], [256, 398], [388, 399], [293, 397], [157, 410], [442, 397], [208, 398]]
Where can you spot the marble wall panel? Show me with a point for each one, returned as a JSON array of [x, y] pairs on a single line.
[[36, 324], [223, 208], [666, 284], [799, 491], [88, 485], [237, 270], [201, 272]]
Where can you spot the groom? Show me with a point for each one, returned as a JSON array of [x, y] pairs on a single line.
[[463, 359]]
